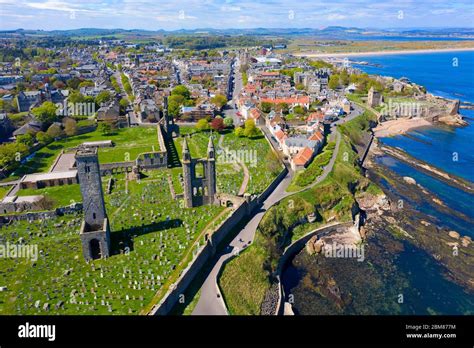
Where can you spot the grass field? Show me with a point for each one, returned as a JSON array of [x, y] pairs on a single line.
[[151, 235], [129, 143], [244, 282], [61, 195], [3, 191], [229, 174], [346, 46]]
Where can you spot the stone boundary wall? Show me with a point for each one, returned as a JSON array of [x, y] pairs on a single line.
[[6, 219], [202, 256], [366, 150], [295, 247]]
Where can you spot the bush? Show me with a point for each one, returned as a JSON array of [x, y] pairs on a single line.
[[202, 125]]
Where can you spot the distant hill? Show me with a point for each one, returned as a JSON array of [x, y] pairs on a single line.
[[331, 32]]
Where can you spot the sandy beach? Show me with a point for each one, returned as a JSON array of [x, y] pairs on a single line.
[[380, 53], [399, 126]]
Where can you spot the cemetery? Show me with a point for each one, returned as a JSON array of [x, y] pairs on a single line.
[[153, 237]]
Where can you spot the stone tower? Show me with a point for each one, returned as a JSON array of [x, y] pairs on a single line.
[[199, 190], [211, 171], [188, 174], [374, 98], [95, 233]]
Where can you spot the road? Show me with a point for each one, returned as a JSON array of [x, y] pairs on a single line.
[[131, 114], [230, 109]]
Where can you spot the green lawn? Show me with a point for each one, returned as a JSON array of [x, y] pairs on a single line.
[[244, 282], [151, 234], [257, 155], [253, 152], [61, 196], [129, 143], [4, 190]]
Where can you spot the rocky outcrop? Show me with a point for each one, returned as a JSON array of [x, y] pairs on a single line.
[[314, 245]]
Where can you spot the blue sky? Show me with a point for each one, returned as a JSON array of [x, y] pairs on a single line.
[[190, 14]]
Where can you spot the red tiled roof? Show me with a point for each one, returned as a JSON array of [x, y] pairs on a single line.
[[280, 135], [316, 136], [315, 116], [303, 156], [298, 100], [255, 114]]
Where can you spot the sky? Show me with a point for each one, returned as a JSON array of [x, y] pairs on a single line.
[[224, 14]]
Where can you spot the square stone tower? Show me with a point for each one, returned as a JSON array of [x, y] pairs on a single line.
[[95, 232]]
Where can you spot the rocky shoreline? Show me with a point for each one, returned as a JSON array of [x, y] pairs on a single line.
[[333, 286], [449, 179]]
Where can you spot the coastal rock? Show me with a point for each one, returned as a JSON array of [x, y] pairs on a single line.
[[288, 309], [425, 223], [314, 246], [465, 241], [409, 180], [453, 120], [454, 234], [383, 202]]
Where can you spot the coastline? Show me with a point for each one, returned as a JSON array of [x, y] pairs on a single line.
[[381, 53], [399, 126]]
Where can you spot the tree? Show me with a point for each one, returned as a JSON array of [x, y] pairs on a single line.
[[251, 130], [283, 107], [26, 139], [86, 83], [75, 97], [333, 81], [70, 126], [228, 122], [239, 131], [218, 124], [105, 128], [182, 91], [43, 138], [73, 83], [123, 105], [266, 107], [298, 109], [219, 100], [103, 97], [45, 113], [54, 131], [202, 125], [174, 105]]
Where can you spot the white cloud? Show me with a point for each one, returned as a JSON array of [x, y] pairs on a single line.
[[226, 8], [334, 17]]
